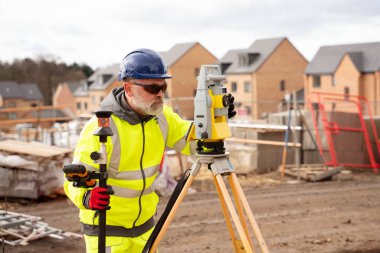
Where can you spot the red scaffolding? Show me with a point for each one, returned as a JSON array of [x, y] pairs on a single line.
[[321, 104]]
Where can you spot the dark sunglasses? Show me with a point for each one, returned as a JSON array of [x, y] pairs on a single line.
[[153, 88]]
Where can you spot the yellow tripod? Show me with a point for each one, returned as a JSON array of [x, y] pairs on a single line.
[[220, 166]]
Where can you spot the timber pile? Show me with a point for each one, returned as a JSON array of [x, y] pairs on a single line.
[[31, 170], [312, 172]]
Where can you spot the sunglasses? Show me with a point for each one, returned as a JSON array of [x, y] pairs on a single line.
[[153, 88]]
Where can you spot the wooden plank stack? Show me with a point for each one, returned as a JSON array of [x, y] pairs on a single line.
[[312, 172], [31, 170]]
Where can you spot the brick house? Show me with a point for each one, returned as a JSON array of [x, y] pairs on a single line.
[[14, 95], [91, 92], [102, 82], [183, 62], [64, 94], [259, 76], [82, 100], [352, 69]]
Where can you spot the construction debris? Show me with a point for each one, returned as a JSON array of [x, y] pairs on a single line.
[[31, 170], [312, 172], [20, 229]]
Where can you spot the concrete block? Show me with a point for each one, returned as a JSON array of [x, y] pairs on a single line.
[[243, 158], [344, 175]]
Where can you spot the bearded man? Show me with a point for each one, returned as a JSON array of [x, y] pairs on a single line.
[[142, 128]]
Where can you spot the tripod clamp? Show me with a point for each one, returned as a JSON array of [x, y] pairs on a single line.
[[218, 164]]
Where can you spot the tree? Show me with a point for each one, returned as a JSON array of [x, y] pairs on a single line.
[[46, 72]]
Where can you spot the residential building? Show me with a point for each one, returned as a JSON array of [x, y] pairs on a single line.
[[260, 75], [64, 95], [183, 62], [101, 83], [19, 95], [14, 95], [352, 69], [82, 100], [90, 93]]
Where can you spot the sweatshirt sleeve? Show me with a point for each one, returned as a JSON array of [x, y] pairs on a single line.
[[178, 129], [74, 194]]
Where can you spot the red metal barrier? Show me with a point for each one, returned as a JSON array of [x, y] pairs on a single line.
[[317, 103]]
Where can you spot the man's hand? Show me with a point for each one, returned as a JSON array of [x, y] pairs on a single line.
[[98, 198], [231, 107]]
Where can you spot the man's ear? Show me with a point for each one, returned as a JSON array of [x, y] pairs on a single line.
[[128, 88]]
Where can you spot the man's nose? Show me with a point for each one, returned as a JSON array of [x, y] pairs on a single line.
[[160, 94]]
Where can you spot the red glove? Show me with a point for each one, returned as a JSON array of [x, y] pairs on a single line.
[[98, 198]]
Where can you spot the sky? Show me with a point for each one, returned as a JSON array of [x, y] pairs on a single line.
[[102, 32]]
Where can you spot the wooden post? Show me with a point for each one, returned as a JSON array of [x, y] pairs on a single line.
[[296, 136]]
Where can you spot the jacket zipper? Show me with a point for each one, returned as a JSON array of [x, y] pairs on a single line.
[[142, 174]]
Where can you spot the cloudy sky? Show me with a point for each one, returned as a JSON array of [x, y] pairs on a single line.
[[101, 32]]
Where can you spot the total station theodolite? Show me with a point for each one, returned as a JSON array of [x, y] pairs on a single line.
[[211, 103]]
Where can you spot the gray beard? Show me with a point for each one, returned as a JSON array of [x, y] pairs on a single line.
[[152, 108]]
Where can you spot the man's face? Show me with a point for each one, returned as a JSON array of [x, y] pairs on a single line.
[[146, 95]]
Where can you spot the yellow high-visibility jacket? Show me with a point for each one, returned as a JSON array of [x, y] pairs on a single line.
[[134, 154]]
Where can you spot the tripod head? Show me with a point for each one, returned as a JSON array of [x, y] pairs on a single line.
[[211, 103]]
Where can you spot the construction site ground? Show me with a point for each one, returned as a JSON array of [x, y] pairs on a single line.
[[331, 217]]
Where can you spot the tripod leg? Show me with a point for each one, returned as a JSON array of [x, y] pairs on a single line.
[[171, 214], [240, 210], [227, 217], [235, 184], [233, 213]]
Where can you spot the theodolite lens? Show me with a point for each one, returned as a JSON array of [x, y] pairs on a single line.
[[226, 100]]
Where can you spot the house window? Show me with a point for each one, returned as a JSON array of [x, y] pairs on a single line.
[[333, 81], [12, 104], [106, 77], [247, 87], [224, 66], [233, 87], [196, 71], [346, 92], [282, 85], [85, 105], [248, 110], [316, 81], [101, 98], [243, 60], [12, 115], [78, 105]]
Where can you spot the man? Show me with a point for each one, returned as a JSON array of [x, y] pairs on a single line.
[[143, 127]]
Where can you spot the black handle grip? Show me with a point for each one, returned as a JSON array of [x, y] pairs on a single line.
[[74, 168]]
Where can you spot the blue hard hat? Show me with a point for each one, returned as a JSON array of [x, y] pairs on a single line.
[[143, 64]]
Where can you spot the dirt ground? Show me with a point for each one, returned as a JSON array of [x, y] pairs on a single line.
[[330, 217]]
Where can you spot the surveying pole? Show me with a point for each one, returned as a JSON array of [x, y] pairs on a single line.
[[100, 158]]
